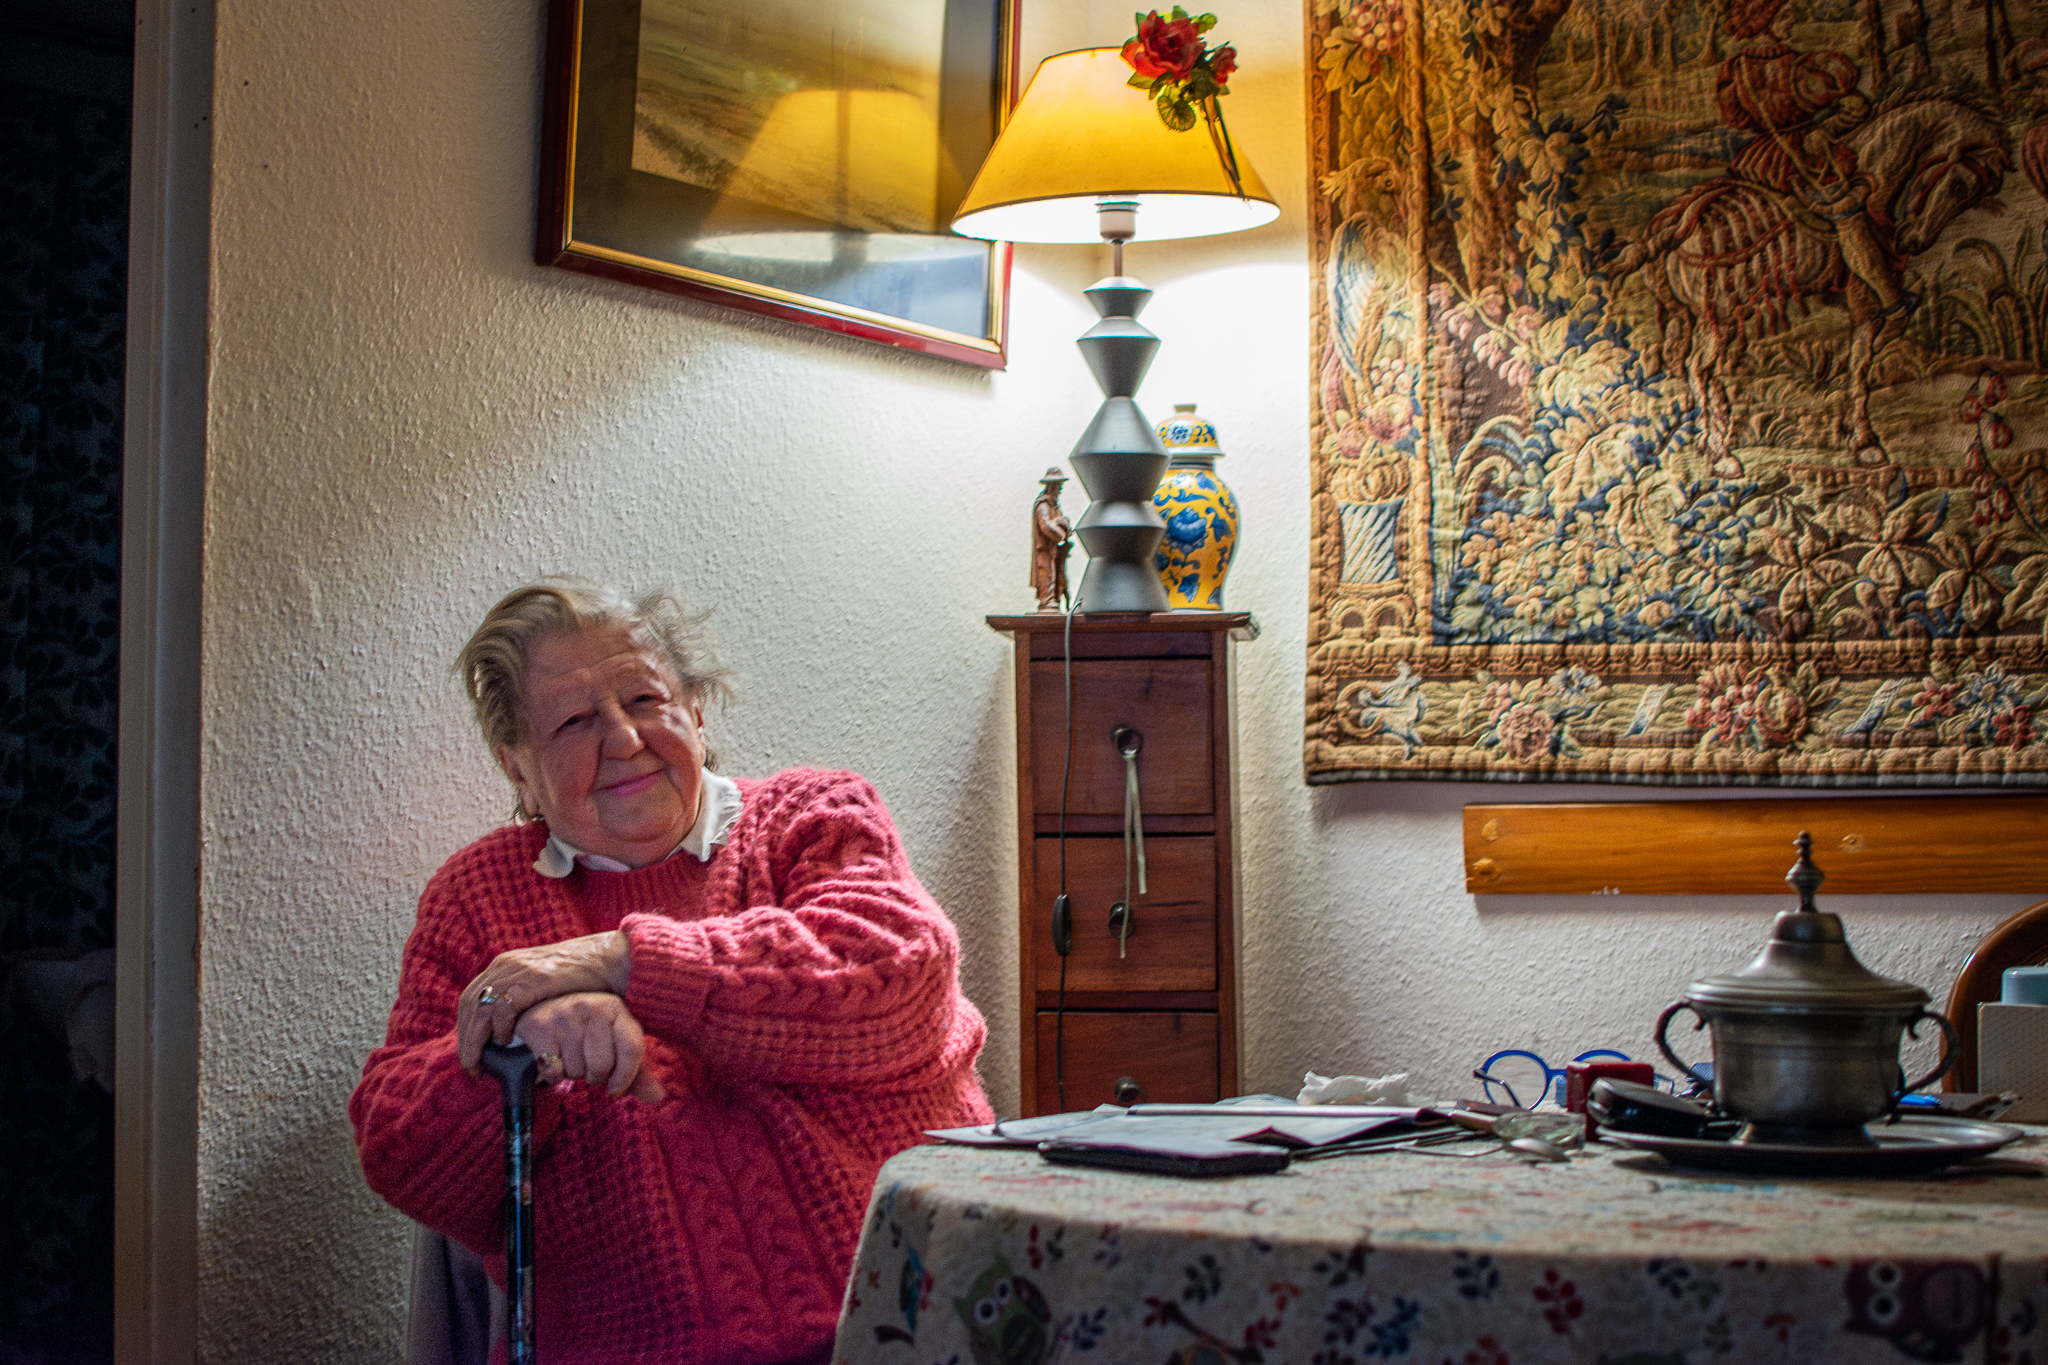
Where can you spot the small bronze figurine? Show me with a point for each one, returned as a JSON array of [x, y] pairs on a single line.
[[1052, 536]]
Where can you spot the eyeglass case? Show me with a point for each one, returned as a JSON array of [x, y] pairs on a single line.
[[1633, 1108]]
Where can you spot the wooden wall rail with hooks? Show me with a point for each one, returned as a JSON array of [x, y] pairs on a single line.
[[1906, 844]]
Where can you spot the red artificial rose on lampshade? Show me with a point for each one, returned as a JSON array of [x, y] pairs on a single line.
[[1165, 47], [1172, 63]]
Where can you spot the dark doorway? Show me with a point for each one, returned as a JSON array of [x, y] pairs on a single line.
[[65, 82]]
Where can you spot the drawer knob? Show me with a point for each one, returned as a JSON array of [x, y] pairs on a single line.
[[1122, 923], [1128, 1091]]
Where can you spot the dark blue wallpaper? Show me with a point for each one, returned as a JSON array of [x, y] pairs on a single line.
[[64, 204]]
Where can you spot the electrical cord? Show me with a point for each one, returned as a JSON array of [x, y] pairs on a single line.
[[1062, 908]]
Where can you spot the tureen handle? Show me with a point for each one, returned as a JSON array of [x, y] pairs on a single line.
[[1948, 1054], [1664, 1022]]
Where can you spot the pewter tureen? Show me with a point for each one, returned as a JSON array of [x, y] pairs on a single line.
[[1806, 1038]]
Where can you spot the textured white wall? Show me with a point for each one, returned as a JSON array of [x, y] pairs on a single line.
[[408, 418]]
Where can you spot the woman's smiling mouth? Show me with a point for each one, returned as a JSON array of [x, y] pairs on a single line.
[[632, 786]]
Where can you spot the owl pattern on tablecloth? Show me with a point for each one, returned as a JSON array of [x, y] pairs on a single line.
[[1929, 1310], [1008, 1320]]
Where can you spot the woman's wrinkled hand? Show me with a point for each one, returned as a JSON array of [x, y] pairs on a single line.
[[491, 1006], [590, 1036]]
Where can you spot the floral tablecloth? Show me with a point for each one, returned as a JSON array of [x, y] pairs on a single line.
[[999, 1258]]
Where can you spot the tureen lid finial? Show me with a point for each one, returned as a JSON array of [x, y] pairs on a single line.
[[1804, 875]]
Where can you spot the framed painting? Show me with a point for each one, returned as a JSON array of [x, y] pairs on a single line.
[[1680, 410], [799, 159]]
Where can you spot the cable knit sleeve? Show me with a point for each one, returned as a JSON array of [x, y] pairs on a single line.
[[431, 1137], [831, 965]]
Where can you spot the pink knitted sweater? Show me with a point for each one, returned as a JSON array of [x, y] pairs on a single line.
[[801, 1000]]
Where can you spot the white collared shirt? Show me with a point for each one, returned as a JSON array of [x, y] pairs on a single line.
[[718, 807]]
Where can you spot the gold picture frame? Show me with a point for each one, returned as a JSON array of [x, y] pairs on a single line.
[[798, 161]]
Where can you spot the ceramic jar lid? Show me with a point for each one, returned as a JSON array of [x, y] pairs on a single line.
[[1187, 435], [1807, 965]]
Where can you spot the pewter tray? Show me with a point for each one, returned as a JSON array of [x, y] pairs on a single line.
[[1909, 1147]]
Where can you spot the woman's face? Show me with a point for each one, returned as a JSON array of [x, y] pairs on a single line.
[[613, 751]]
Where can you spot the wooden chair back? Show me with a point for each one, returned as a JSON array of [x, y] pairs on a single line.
[[2021, 941]]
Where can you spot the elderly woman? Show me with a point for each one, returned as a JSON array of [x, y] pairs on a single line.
[[742, 997]]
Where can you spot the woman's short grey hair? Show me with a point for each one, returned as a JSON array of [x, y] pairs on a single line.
[[493, 665]]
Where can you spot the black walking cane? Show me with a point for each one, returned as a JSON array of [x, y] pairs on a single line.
[[516, 1071]]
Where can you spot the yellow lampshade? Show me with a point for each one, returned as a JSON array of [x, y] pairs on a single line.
[[1083, 134]]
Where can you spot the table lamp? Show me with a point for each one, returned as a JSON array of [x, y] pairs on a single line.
[[1086, 157]]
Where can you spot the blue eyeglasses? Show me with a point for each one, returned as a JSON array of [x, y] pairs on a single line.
[[1511, 1074]]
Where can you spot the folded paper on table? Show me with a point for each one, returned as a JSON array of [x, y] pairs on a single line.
[[1130, 1139], [1024, 1132], [1193, 1129]]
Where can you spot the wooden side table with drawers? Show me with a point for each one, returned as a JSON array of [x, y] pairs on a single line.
[[1150, 1015]]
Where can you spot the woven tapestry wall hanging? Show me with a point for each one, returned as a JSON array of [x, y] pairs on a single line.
[[1679, 411]]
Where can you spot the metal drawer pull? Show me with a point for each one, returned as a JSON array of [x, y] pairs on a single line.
[[1129, 741], [1128, 1091]]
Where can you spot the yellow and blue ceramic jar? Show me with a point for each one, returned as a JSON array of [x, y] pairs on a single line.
[[1199, 511]]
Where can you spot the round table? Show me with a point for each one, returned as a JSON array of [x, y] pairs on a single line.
[[997, 1257]]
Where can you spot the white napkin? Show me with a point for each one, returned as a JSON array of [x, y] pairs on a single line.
[[1359, 1090]]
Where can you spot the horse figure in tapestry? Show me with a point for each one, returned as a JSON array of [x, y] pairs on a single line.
[[1728, 256]]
